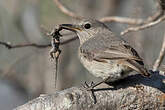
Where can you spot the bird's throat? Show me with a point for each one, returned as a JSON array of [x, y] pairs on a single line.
[[83, 37]]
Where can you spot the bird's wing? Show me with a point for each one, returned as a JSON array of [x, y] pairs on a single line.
[[109, 47], [101, 49], [123, 51]]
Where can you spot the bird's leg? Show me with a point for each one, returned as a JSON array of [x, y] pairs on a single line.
[[88, 88], [91, 86], [86, 85]]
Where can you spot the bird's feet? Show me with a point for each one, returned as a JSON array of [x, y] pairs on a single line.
[[87, 86], [92, 85]]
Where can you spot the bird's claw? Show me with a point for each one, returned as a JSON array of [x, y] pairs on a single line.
[[87, 86]]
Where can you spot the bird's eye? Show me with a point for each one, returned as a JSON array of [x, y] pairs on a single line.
[[87, 26]]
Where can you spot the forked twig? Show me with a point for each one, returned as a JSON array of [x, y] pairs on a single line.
[[142, 24], [152, 20], [148, 25]]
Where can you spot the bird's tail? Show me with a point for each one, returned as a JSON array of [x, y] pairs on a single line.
[[137, 67]]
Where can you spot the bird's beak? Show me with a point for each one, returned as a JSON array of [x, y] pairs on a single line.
[[71, 27]]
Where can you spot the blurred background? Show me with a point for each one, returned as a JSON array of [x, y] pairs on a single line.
[[27, 72]]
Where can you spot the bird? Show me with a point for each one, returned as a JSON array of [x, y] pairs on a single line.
[[105, 54]]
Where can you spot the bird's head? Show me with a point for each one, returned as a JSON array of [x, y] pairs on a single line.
[[86, 29]]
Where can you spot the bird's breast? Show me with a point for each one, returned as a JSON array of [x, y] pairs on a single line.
[[110, 69]]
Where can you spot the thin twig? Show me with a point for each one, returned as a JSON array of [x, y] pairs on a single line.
[[10, 46], [152, 20], [149, 22], [104, 19], [65, 10], [161, 56], [124, 20], [148, 25], [145, 23], [159, 12], [134, 21]]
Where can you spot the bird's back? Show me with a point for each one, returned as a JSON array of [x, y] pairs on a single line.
[[102, 40]]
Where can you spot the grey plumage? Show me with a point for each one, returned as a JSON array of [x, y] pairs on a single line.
[[104, 54]]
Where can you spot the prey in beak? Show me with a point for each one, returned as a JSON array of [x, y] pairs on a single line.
[[71, 27]]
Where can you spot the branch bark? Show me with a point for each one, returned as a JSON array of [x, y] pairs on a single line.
[[134, 92]]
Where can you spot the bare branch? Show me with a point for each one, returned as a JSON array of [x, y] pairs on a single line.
[[149, 22], [148, 25], [135, 92], [65, 10], [152, 20], [122, 20], [133, 21], [161, 56], [104, 19], [158, 14], [10, 46]]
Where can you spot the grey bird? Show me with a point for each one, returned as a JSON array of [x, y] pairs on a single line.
[[104, 54]]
